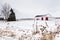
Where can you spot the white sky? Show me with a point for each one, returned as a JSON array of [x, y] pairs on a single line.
[[30, 8]]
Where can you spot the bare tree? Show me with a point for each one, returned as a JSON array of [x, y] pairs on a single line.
[[6, 10]]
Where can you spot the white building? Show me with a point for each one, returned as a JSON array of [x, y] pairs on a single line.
[[42, 21]]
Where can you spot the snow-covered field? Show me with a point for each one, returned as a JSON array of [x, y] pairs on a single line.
[[24, 30]]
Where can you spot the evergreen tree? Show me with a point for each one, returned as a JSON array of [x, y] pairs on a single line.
[[11, 16]]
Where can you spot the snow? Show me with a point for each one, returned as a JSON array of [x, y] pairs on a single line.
[[24, 30], [57, 37]]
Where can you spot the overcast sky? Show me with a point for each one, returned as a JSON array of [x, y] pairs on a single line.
[[30, 8]]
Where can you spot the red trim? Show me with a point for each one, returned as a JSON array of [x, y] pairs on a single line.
[[46, 18]]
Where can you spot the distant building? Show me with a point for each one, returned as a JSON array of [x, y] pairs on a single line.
[[42, 17]]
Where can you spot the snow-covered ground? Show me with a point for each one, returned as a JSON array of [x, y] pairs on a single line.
[[24, 30]]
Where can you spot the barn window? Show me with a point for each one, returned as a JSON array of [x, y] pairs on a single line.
[[42, 18], [37, 19], [46, 18]]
